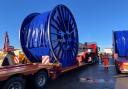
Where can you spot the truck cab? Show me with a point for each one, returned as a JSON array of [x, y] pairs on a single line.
[[92, 51]]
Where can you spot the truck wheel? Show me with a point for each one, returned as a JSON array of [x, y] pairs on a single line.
[[15, 83], [40, 80]]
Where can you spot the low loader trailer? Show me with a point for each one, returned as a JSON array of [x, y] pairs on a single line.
[[14, 76]]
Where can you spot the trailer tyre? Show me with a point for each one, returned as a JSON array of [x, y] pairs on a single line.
[[15, 83], [40, 80], [117, 69]]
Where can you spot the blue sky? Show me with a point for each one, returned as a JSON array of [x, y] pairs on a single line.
[[96, 19]]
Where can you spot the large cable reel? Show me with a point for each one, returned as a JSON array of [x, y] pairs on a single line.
[[52, 33]]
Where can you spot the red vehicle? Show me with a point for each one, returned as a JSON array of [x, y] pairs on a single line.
[[120, 50], [90, 52]]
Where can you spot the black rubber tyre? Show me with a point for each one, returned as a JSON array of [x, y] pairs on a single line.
[[40, 80], [117, 69], [15, 83]]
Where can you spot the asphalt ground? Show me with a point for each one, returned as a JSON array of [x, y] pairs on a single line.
[[88, 77], [91, 77]]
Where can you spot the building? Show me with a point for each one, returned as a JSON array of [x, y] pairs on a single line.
[[108, 50]]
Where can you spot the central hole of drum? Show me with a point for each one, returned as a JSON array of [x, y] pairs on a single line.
[[66, 36]]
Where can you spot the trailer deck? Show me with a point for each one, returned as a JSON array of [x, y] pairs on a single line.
[[23, 69]]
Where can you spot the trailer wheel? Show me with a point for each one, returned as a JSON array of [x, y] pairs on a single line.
[[117, 69], [15, 83], [40, 80]]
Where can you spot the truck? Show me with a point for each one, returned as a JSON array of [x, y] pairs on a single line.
[[91, 52], [120, 50], [49, 42]]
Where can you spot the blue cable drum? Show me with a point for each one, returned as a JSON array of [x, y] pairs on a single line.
[[52, 33], [121, 41]]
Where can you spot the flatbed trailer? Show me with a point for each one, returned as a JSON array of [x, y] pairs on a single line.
[[16, 75]]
